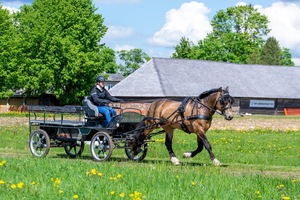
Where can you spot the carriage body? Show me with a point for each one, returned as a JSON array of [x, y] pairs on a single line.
[[74, 127]]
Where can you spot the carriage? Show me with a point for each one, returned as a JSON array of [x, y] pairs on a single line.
[[74, 127], [130, 129]]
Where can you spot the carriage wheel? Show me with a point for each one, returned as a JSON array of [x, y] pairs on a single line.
[[39, 143], [74, 149], [101, 146], [140, 156]]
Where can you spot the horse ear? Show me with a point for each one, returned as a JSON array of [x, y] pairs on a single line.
[[227, 89]]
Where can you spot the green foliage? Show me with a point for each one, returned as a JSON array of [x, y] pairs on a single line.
[[237, 33], [286, 57], [184, 49], [271, 53], [132, 60], [8, 53], [58, 49]]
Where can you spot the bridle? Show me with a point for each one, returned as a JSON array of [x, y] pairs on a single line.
[[222, 99]]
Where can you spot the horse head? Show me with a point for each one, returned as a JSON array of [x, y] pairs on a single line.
[[224, 104]]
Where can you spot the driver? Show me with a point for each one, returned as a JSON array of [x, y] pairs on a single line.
[[101, 97]]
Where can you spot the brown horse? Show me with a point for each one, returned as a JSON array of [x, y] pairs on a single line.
[[192, 115]]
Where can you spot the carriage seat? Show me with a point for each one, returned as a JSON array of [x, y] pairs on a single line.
[[90, 110]]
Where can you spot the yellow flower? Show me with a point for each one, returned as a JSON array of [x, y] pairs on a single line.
[[177, 177], [257, 192], [60, 191], [94, 171], [285, 198], [119, 176], [20, 185], [13, 186], [33, 183], [100, 174], [2, 182], [2, 163], [112, 192], [193, 183], [75, 196], [294, 181], [122, 194], [56, 182]]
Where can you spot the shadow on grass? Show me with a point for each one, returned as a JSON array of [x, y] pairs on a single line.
[[145, 161]]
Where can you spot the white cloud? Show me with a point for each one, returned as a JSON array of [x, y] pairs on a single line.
[[189, 21], [118, 32], [123, 47], [285, 25], [11, 9]]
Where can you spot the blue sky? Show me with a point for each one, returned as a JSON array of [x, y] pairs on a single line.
[[156, 26]]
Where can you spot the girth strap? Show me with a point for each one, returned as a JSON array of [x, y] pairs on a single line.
[[181, 110], [205, 117]]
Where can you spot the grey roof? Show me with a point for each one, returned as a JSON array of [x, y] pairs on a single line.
[[167, 77], [115, 77]]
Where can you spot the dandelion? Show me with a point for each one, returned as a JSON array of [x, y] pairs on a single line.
[[33, 183], [122, 194], [257, 192], [60, 191], [94, 171], [20, 185], [56, 182], [285, 198], [2, 182], [294, 181], [193, 183], [112, 192], [13, 186], [75, 196], [100, 174], [136, 195], [119, 176], [2, 163]]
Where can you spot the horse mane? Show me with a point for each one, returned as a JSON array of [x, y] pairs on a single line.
[[209, 92]]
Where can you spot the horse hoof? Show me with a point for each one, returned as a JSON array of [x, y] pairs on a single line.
[[216, 162], [187, 155], [174, 160]]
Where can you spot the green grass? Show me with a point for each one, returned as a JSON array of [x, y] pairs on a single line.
[[257, 164]]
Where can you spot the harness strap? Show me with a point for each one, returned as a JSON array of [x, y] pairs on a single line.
[[181, 110], [205, 117]]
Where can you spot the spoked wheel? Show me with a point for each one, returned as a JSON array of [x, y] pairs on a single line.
[[74, 149], [101, 146], [39, 143], [140, 156]]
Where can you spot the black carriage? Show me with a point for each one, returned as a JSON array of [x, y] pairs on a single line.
[[73, 127]]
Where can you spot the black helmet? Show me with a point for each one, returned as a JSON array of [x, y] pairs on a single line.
[[100, 79]]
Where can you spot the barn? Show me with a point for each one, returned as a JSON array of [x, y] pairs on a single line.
[[257, 89]]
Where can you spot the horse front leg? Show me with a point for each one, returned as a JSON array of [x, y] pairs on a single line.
[[168, 143], [198, 150], [207, 146]]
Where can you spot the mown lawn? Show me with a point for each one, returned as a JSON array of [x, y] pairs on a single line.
[[257, 164]]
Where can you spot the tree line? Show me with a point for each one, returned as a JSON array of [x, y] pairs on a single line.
[[55, 46]]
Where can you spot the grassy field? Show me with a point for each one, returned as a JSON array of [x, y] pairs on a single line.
[[257, 164]]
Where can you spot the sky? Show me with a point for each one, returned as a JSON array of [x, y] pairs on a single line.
[[156, 26]]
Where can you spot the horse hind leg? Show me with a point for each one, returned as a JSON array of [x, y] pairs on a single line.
[[168, 143], [198, 150]]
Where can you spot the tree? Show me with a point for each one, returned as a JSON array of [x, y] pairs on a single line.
[[184, 49], [237, 33], [287, 57], [8, 53], [132, 59], [271, 53], [108, 60], [60, 52], [241, 19]]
